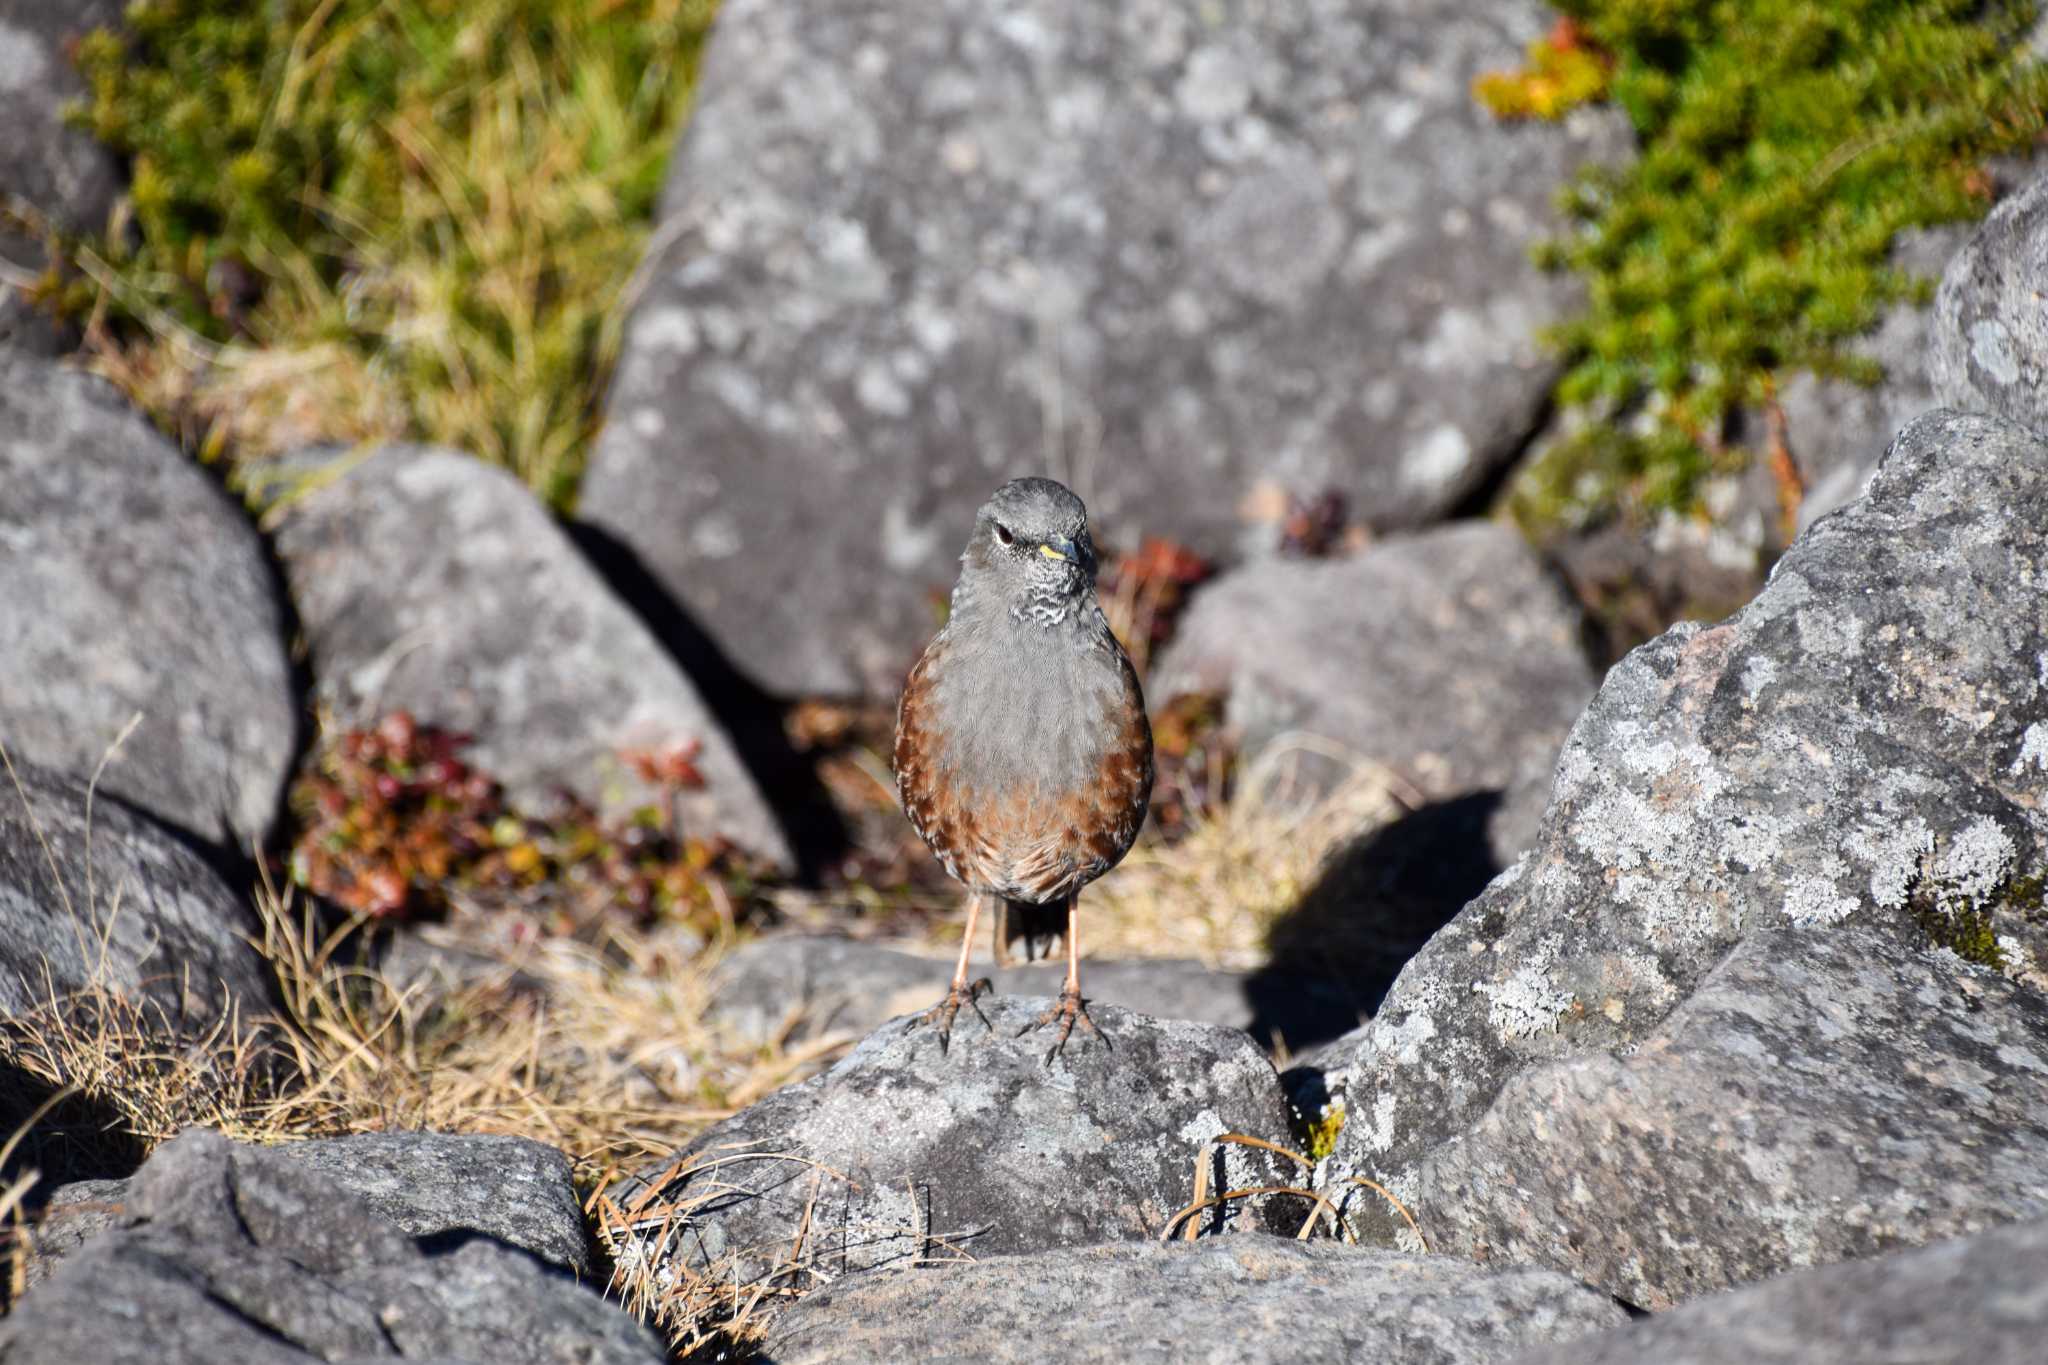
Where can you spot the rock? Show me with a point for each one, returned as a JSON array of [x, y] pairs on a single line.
[[448, 1185], [1242, 1299], [901, 1152], [1451, 657], [1865, 743], [912, 250], [1983, 1299], [438, 1188], [801, 986], [135, 586], [49, 171], [431, 582], [1836, 430], [75, 1214], [229, 1252], [112, 900], [1822, 1095], [1990, 346]]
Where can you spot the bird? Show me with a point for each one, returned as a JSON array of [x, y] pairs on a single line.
[[1023, 753]]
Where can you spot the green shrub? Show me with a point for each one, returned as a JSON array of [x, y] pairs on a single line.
[[1785, 143], [367, 218]]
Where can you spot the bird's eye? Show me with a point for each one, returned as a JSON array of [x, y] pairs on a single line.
[[1003, 534]]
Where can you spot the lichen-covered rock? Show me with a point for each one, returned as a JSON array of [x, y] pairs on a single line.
[[230, 1252], [105, 898], [1982, 1299], [802, 986], [1242, 1301], [1865, 743], [441, 1188], [1990, 349], [1163, 251], [133, 586], [431, 582], [901, 1152], [1451, 657], [48, 168], [448, 1185], [1822, 1095]]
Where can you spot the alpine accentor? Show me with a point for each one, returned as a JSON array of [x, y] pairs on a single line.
[[1023, 756]]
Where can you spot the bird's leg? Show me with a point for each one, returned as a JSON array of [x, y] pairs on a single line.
[[1070, 1007], [961, 993], [1000, 940]]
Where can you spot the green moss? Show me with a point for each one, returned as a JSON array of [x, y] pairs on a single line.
[[1785, 144], [1320, 1136], [421, 213], [1970, 928]]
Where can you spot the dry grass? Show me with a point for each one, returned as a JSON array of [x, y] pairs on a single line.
[[600, 1049]]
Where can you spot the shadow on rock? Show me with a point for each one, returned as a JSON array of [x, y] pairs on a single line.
[[1380, 900], [78, 1138], [750, 716]]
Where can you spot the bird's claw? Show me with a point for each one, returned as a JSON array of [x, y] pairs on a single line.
[[1069, 1009], [957, 995]]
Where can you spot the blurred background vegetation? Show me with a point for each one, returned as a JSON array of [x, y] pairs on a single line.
[[366, 218], [359, 219]]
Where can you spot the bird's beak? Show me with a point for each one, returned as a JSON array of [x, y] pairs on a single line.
[[1059, 547]]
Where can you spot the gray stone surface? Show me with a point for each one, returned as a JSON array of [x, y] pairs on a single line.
[[1243, 1301], [239, 1253], [1823, 1095], [803, 986], [1982, 1299], [1990, 346], [1838, 431], [115, 901], [449, 1184], [75, 1214], [1450, 656], [47, 168], [431, 582], [1160, 251], [901, 1152], [1866, 742], [134, 585]]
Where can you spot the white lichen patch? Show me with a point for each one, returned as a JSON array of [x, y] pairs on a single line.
[[2033, 749], [1816, 900], [1526, 1004], [1894, 857], [1760, 672], [1977, 860]]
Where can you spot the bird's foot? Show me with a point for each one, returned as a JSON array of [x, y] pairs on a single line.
[[1069, 1009], [960, 993]]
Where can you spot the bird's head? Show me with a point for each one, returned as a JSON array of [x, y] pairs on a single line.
[[1030, 551]]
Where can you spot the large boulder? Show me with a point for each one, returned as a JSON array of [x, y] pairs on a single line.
[[229, 1252], [52, 176], [134, 587], [1982, 1299], [93, 895], [1165, 251], [1451, 657], [430, 582], [1865, 743], [1250, 1300], [440, 1188], [448, 1186], [802, 986], [1990, 349], [902, 1152], [1823, 1095]]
